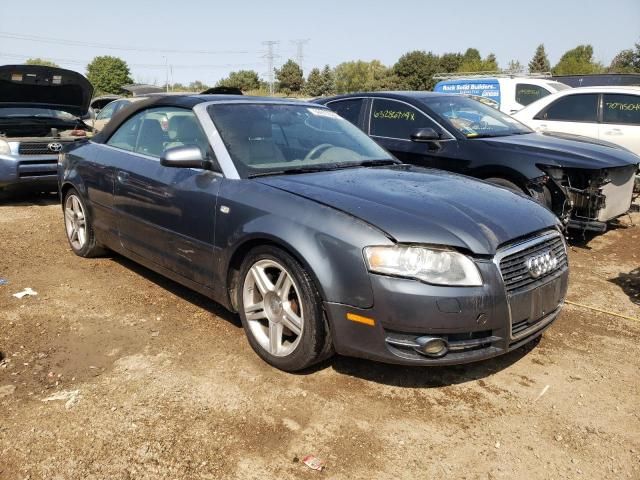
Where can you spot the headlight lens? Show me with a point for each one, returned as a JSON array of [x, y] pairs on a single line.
[[431, 265], [4, 148]]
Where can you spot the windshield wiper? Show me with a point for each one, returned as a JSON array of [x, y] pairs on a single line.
[[328, 167]]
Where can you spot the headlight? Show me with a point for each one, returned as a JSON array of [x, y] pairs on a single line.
[[4, 148], [430, 265]]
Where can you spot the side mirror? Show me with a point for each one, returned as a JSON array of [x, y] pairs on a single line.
[[184, 157], [425, 135]]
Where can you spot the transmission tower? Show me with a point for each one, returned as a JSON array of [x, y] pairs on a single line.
[[270, 56], [300, 43]]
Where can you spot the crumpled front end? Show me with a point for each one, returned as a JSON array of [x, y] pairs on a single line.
[[588, 199]]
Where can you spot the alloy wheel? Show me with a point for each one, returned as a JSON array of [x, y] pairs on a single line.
[[273, 307], [75, 222]]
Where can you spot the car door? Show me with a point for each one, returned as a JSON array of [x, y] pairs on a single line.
[[165, 214], [391, 123], [576, 114], [621, 120]]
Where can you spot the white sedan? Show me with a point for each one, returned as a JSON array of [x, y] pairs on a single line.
[[605, 113]]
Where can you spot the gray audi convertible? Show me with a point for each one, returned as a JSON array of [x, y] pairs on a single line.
[[321, 240]]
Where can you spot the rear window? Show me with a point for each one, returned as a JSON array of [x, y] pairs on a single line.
[[572, 108], [621, 109], [527, 93], [348, 109]]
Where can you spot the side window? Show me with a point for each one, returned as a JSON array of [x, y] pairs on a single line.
[[348, 109], [621, 109], [153, 131], [126, 136], [108, 111], [526, 93], [396, 119], [572, 108]]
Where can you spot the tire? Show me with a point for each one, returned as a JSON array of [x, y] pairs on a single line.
[[503, 182], [281, 310], [78, 226]]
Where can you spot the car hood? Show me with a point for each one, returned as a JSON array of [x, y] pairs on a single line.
[[44, 87], [416, 205], [562, 150]]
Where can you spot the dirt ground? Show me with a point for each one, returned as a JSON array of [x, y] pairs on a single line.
[[112, 372]]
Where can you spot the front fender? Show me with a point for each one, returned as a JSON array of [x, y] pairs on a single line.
[[327, 242]]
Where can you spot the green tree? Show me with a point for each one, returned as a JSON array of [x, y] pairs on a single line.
[[314, 85], [40, 61], [245, 80], [197, 86], [290, 77], [108, 74], [577, 61], [471, 61], [360, 75], [540, 62], [450, 62], [626, 61], [515, 66], [415, 70], [328, 81]]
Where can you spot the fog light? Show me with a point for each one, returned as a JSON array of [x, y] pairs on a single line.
[[432, 346]]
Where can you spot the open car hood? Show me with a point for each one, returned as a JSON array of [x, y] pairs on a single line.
[[44, 87]]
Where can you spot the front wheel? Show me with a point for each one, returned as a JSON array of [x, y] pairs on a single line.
[[77, 223], [281, 310], [503, 182]]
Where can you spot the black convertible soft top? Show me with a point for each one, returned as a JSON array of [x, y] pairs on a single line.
[[184, 101]]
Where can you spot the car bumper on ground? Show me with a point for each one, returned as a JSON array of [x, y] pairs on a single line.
[[475, 323]]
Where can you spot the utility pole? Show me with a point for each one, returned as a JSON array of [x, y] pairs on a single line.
[[166, 67], [270, 56], [300, 43]]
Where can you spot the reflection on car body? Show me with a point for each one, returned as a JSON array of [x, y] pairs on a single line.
[[318, 238]]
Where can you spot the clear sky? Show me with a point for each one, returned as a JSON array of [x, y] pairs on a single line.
[[229, 34]]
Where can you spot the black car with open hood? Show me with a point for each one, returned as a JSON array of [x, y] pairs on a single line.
[[41, 111]]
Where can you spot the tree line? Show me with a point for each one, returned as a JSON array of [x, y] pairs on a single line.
[[413, 71]]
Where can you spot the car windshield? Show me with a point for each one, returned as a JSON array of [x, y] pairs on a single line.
[[11, 112], [265, 139], [474, 119]]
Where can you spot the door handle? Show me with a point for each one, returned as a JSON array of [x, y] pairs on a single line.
[[542, 127], [122, 177], [614, 131]]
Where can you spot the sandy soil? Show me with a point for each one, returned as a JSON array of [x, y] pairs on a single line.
[[112, 372]]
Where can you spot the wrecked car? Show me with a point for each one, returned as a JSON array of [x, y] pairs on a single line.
[[291, 216], [41, 111], [585, 182]]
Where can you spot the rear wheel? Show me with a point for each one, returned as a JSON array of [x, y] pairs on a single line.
[[77, 223], [281, 310]]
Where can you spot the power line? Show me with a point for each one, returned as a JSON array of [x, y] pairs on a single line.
[[77, 43], [270, 56], [70, 61], [300, 43]]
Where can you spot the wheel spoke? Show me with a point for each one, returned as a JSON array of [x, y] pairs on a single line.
[[275, 337], [81, 236], [68, 214], [262, 281], [292, 321], [74, 234], [283, 287], [255, 311], [76, 204]]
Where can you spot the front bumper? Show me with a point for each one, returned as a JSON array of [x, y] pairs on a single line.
[[477, 322], [29, 171]]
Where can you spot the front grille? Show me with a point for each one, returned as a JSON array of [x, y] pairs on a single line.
[[515, 272], [39, 148]]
